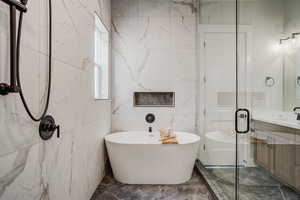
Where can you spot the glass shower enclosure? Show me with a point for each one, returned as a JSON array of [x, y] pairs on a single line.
[[248, 54]]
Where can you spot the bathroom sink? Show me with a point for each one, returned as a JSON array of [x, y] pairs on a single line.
[[281, 119], [291, 123]]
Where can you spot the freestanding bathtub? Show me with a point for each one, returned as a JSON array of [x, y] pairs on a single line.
[[221, 148], [138, 158]]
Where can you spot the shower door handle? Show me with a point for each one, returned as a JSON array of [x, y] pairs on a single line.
[[244, 115]]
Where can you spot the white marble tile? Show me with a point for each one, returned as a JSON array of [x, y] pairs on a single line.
[[70, 167], [155, 8], [67, 46], [31, 22], [183, 32], [159, 33], [93, 154], [142, 32], [74, 25], [4, 58], [57, 166], [125, 8], [147, 57], [64, 97], [187, 8], [4, 19], [23, 175]]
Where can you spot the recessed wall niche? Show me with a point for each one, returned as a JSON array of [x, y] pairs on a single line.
[[154, 99]]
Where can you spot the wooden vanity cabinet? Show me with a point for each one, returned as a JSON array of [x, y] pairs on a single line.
[[275, 150], [263, 154], [284, 162]]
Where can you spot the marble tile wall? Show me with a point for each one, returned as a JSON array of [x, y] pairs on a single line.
[[154, 50], [70, 167]]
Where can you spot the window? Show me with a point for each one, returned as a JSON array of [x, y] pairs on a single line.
[[101, 61]]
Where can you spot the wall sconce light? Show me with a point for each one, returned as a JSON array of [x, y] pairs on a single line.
[[284, 45], [298, 80], [284, 39], [295, 40], [295, 34]]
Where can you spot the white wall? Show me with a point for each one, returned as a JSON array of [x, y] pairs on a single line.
[[266, 19], [153, 50], [72, 166]]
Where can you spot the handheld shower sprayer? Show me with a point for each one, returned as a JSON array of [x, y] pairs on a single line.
[[47, 123], [5, 88], [14, 5]]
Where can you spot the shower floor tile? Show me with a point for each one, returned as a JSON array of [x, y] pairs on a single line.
[[195, 189], [255, 184]]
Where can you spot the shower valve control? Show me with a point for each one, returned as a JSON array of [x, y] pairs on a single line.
[[48, 127], [5, 89]]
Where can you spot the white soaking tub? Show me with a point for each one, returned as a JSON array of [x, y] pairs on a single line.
[[221, 148], [138, 158]]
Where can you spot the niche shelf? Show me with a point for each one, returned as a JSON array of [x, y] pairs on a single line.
[[154, 99]]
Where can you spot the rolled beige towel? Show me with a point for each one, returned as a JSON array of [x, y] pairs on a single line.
[[169, 140], [164, 132]]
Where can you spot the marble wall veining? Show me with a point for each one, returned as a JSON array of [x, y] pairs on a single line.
[[72, 166], [154, 49]]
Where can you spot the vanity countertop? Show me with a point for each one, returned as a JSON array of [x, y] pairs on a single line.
[[277, 118]]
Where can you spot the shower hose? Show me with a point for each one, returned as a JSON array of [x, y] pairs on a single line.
[[46, 106]]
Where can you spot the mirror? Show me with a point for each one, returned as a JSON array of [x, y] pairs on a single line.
[[291, 56]]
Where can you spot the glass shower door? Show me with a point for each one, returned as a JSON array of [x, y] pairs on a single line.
[[218, 94], [218, 71], [267, 80]]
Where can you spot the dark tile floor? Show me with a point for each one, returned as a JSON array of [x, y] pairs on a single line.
[[255, 184], [195, 189]]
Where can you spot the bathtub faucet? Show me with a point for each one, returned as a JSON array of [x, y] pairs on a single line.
[[150, 129]]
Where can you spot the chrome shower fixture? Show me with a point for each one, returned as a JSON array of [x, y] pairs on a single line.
[[14, 5]]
